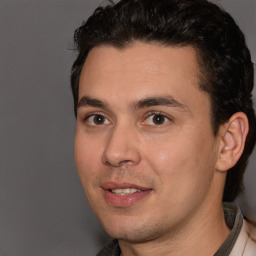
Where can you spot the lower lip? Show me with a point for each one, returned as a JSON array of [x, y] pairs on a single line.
[[125, 200]]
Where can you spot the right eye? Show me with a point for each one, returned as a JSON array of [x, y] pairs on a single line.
[[97, 119]]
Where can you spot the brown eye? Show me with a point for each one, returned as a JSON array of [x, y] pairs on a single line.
[[97, 119], [156, 119]]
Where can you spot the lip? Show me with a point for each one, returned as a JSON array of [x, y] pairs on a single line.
[[124, 200]]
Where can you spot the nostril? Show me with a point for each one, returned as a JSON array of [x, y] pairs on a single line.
[[119, 152], [118, 164], [124, 161], [107, 163]]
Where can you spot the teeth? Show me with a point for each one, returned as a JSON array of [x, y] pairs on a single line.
[[125, 191]]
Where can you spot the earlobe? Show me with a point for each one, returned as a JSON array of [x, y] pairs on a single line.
[[232, 140]]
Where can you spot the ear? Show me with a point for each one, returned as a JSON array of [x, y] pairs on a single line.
[[232, 140]]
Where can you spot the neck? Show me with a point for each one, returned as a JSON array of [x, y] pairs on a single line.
[[202, 235]]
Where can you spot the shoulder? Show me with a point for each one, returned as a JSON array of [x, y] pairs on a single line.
[[246, 241]]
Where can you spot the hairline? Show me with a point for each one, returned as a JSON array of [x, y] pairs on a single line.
[[203, 73]]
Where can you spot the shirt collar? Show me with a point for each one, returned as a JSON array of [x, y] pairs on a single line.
[[234, 221]]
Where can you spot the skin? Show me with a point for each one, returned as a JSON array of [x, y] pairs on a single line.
[[168, 149]]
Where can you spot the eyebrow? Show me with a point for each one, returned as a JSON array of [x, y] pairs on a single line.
[[88, 101], [143, 103], [158, 101]]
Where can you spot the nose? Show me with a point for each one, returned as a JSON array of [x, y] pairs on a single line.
[[122, 148]]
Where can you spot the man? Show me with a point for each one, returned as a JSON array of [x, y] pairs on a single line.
[[165, 125]]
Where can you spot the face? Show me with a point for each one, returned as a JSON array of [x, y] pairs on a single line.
[[144, 146]]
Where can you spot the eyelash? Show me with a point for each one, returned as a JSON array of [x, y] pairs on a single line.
[[162, 115], [152, 114], [86, 119]]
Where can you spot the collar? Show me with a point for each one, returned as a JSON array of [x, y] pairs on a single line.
[[233, 218]]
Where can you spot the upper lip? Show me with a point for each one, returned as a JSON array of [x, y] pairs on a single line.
[[113, 185]]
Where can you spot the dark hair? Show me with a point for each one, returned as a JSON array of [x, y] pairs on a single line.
[[225, 61]]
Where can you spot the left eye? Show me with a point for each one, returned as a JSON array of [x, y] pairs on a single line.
[[156, 119], [97, 119]]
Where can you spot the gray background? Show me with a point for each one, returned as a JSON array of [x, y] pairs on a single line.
[[43, 210]]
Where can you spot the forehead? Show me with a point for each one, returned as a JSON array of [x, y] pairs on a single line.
[[140, 70], [143, 58]]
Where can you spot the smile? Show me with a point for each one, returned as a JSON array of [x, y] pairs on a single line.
[[124, 195], [125, 191]]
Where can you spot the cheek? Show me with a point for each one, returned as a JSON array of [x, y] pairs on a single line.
[[87, 157], [181, 161], [169, 156]]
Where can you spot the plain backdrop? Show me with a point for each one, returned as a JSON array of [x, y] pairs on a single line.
[[43, 210]]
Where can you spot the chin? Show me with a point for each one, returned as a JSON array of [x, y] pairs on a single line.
[[132, 231]]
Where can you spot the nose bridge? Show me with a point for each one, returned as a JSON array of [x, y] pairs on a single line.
[[121, 147]]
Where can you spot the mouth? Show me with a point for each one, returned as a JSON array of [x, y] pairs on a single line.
[[125, 191], [124, 194]]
